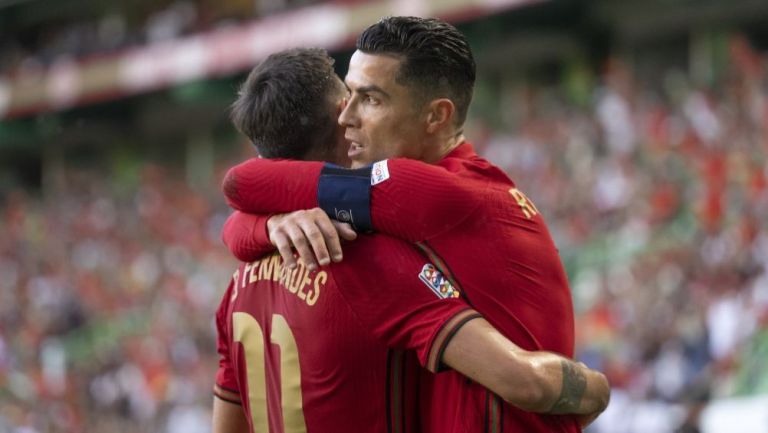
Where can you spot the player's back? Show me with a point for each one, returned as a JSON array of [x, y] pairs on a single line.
[[504, 259], [480, 231], [299, 355]]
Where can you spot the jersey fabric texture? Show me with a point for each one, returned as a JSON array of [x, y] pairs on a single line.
[[481, 231], [333, 349]]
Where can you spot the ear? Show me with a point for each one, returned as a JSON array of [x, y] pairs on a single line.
[[440, 114], [341, 105]]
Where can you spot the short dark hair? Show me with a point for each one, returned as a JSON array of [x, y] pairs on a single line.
[[437, 59], [284, 106]]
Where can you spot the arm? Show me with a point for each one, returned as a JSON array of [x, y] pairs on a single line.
[[426, 194], [311, 232], [263, 186], [399, 298], [246, 236], [534, 381], [228, 417]]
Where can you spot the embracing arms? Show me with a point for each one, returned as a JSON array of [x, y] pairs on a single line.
[[408, 199], [542, 382]]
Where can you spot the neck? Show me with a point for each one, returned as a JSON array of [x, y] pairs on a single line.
[[444, 148]]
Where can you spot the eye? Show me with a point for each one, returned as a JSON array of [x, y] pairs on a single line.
[[368, 99]]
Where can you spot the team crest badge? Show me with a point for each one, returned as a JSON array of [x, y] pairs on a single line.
[[437, 282]]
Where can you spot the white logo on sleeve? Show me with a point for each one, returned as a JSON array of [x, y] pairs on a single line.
[[380, 172]]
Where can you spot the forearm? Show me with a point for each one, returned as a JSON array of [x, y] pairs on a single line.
[[541, 382], [246, 236], [568, 387], [433, 199], [228, 417]]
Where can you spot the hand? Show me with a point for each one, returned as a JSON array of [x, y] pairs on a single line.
[[312, 233]]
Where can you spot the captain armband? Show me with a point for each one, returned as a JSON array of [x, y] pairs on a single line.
[[345, 195]]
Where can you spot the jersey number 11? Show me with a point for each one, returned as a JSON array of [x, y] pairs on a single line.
[[248, 332]]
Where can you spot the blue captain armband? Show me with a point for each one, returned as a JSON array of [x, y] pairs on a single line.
[[345, 195]]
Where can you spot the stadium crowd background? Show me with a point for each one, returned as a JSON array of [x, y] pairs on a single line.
[[656, 193], [125, 26]]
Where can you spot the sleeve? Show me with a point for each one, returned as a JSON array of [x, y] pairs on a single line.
[[262, 186], [246, 236], [407, 199], [401, 298], [416, 201], [226, 386]]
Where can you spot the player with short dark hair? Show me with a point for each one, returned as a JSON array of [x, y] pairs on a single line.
[[436, 60], [305, 349], [482, 232], [302, 126]]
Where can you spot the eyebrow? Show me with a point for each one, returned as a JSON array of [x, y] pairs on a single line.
[[370, 88]]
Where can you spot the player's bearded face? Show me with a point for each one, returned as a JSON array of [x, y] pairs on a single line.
[[381, 118]]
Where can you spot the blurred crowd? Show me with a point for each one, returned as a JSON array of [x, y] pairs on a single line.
[[106, 306], [656, 194], [33, 47]]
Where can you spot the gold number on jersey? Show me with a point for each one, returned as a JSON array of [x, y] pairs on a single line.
[[526, 205], [248, 332]]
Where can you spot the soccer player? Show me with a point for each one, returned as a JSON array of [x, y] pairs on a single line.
[[411, 82], [312, 350]]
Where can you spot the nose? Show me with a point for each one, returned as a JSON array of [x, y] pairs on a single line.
[[348, 118]]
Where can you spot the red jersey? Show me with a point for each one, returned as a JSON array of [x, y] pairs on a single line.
[[477, 227], [323, 351]]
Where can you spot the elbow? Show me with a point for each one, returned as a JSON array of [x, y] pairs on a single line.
[[230, 189], [531, 398], [242, 251], [602, 393], [237, 241]]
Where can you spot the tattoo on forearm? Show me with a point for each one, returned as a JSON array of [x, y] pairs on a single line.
[[574, 385]]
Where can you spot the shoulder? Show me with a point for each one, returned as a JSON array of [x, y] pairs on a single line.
[[368, 246], [377, 256]]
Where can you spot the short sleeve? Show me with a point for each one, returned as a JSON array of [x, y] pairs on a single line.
[[400, 297]]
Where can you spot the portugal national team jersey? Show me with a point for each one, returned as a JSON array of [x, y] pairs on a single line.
[[473, 223], [325, 351]]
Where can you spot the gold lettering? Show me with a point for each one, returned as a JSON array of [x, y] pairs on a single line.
[[303, 285], [266, 268], [314, 294], [296, 277], [526, 205], [285, 276], [263, 266], [245, 273], [277, 267], [291, 276], [235, 280], [254, 275]]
